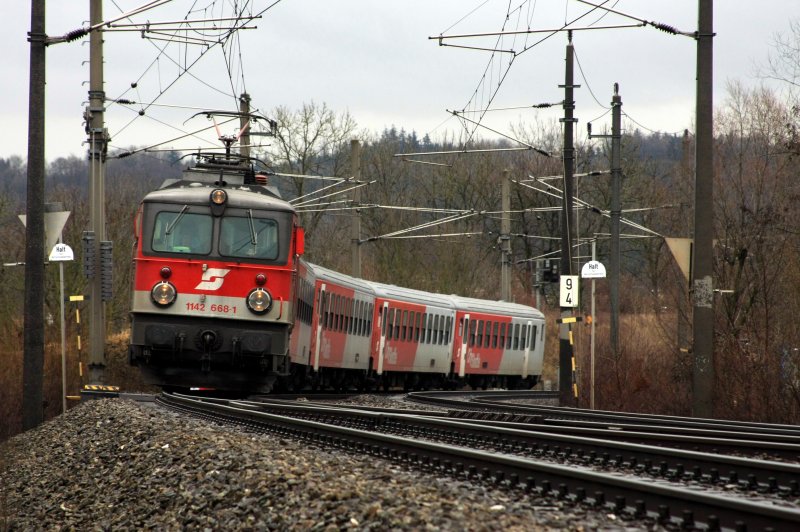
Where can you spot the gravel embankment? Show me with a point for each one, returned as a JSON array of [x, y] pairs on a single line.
[[120, 465]]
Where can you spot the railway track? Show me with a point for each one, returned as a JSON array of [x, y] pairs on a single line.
[[606, 475]]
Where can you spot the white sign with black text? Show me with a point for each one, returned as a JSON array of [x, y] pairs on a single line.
[[593, 270], [568, 295]]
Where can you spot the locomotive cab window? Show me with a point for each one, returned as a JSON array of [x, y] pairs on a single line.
[[249, 237], [182, 232]]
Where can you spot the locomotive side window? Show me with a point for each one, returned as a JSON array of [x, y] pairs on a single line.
[[249, 237], [182, 232]]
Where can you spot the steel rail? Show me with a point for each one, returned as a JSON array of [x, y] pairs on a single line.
[[600, 448], [651, 500]]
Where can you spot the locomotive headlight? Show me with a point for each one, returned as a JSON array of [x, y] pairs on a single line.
[[218, 196], [259, 301], [163, 294]]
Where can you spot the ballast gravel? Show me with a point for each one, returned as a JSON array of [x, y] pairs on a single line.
[[115, 464]]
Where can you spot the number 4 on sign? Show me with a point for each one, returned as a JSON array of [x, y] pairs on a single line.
[[569, 291]]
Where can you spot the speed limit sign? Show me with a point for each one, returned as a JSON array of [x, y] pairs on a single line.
[[568, 295]]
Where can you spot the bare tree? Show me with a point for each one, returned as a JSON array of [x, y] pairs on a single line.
[[312, 140]]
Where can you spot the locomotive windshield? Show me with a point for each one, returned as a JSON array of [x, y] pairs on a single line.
[[240, 234], [182, 232], [249, 237]]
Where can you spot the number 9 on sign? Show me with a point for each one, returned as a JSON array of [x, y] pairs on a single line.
[[568, 295]]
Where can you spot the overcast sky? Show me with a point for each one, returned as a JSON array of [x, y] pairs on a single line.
[[374, 60]]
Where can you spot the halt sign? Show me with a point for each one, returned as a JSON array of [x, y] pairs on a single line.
[[61, 253], [593, 270]]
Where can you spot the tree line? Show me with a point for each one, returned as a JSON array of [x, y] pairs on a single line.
[[757, 227]]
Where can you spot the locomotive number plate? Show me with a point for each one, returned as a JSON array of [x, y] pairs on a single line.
[[212, 308]]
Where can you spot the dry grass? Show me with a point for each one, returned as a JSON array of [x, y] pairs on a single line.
[[118, 373]]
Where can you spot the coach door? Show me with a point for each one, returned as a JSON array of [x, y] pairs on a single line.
[[462, 363], [322, 315], [530, 338], [383, 316]]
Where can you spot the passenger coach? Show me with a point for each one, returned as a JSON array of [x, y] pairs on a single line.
[[350, 332]]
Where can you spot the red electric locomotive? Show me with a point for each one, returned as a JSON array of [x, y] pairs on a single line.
[[215, 261]]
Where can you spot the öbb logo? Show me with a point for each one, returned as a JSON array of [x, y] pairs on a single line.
[[212, 279]]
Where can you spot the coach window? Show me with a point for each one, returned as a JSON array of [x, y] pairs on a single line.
[[502, 335], [350, 310], [389, 323], [363, 325], [323, 311], [533, 338], [324, 305], [351, 325], [495, 330], [472, 325], [487, 339], [335, 313], [516, 336], [331, 300], [524, 337]]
